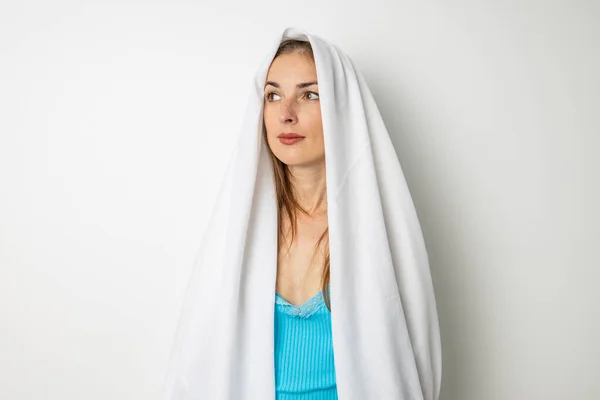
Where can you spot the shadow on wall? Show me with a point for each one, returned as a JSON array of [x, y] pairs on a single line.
[[460, 312]]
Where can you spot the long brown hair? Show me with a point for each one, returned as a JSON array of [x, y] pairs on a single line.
[[286, 195]]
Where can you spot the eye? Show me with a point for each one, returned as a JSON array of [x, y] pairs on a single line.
[[312, 95], [269, 96]]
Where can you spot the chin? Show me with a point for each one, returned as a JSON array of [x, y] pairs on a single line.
[[300, 160], [296, 155]]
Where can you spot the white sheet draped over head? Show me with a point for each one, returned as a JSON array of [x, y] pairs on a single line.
[[384, 321]]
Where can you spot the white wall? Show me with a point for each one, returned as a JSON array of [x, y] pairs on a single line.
[[116, 121]]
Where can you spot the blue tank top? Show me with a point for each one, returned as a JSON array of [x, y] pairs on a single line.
[[304, 367]]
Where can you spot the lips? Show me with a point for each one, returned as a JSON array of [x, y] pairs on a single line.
[[290, 135], [289, 138]]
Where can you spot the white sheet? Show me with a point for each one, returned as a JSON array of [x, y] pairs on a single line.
[[384, 321]]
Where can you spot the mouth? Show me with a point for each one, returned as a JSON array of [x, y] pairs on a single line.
[[290, 138]]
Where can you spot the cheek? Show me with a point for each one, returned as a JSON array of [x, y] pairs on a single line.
[[316, 124], [269, 118]]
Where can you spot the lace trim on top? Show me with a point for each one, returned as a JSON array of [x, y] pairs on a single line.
[[305, 310]]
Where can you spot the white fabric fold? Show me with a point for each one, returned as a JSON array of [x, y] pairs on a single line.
[[384, 321]]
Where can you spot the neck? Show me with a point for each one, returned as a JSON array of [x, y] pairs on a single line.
[[310, 186]]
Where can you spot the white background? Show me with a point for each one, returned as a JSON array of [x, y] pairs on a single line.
[[117, 118]]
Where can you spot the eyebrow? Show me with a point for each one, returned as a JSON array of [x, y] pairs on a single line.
[[300, 85]]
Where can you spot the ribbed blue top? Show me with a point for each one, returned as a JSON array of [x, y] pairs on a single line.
[[304, 367]]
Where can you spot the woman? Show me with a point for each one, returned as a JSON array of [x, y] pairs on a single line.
[[312, 281], [304, 364]]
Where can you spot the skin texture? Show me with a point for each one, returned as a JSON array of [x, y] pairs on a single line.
[[289, 108]]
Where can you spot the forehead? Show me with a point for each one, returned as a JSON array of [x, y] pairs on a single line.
[[292, 68]]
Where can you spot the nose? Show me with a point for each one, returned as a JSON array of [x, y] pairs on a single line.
[[287, 113]]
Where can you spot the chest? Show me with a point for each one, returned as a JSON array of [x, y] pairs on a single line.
[[300, 263]]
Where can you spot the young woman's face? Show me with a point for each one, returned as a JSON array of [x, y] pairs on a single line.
[[292, 107]]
